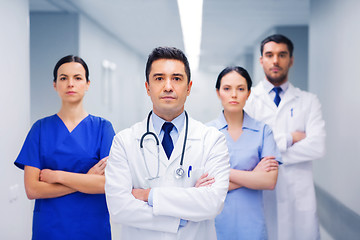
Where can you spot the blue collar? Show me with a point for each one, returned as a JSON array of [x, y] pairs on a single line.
[[158, 122], [269, 87], [248, 122]]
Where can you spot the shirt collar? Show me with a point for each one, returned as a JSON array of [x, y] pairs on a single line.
[[269, 86], [248, 122], [158, 122]]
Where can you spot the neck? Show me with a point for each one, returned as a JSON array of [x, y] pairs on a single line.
[[277, 83], [168, 115], [72, 112], [234, 119]]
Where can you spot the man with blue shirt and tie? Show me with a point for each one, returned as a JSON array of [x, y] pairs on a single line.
[[167, 176], [299, 131]]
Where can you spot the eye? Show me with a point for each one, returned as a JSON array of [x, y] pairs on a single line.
[[158, 78], [268, 55], [177, 78], [242, 89], [62, 78], [79, 78], [226, 88]]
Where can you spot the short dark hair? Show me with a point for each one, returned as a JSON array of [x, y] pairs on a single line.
[[239, 70], [278, 38], [167, 53], [71, 58]]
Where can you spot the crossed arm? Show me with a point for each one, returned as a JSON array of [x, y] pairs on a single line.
[[48, 183], [262, 177]]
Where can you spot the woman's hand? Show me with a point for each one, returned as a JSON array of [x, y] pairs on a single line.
[[99, 168], [48, 176], [204, 181], [267, 164]]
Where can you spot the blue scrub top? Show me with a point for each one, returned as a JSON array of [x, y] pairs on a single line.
[[49, 145], [243, 214]]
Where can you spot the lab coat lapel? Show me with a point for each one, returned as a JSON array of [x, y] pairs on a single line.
[[261, 93], [149, 142], [289, 96], [176, 154]]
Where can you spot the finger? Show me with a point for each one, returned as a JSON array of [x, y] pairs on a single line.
[[207, 183], [204, 175], [102, 166]]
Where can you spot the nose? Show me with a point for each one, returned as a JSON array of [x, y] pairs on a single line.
[[168, 85], [233, 93], [70, 82], [276, 59]]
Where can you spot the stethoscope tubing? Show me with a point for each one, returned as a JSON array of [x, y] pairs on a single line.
[[158, 142]]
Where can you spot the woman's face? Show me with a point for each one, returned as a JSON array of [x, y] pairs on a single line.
[[71, 83], [233, 92]]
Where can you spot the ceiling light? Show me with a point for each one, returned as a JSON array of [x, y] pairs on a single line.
[[191, 24]]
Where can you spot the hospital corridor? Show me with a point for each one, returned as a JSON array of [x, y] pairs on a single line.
[[115, 39]]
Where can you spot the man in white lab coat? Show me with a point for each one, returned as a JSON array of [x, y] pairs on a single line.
[[299, 130], [151, 191]]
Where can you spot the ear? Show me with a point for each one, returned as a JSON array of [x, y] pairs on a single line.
[[54, 85], [218, 93], [88, 85], [189, 88], [261, 60], [291, 61], [248, 94], [147, 88]]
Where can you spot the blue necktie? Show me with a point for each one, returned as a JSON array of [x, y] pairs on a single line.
[[277, 98], [167, 141]]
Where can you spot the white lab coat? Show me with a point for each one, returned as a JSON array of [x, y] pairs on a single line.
[[173, 199], [290, 210]]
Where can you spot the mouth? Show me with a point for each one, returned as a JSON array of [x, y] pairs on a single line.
[[276, 69], [233, 102], [70, 92], [167, 98]]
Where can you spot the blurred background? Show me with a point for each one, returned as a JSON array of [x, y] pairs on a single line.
[[115, 37]]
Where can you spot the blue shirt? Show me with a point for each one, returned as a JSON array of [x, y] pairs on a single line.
[[49, 145], [178, 126], [243, 214]]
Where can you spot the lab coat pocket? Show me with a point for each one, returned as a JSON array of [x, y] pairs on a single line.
[[192, 175], [296, 119]]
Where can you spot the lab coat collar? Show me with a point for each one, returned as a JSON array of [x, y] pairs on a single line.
[[262, 92], [194, 134]]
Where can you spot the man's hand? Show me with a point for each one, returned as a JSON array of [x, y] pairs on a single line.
[[204, 181], [141, 194], [298, 136], [267, 164], [99, 168]]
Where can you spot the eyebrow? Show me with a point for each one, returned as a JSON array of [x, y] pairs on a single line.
[[65, 75], [162, 74], [178, 74], [270, 52]]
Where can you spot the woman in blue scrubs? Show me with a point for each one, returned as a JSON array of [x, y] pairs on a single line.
[[253, 159], [64, 157]]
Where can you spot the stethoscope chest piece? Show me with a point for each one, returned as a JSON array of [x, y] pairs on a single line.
[[179, 172]]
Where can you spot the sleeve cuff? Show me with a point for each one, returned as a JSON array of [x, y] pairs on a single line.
[[289, 140], [151, 198]]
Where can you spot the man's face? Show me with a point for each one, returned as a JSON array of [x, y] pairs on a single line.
[[276, 62], [168, 88]]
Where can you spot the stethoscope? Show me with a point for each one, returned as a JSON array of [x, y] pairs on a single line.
[[179, 172]]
